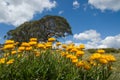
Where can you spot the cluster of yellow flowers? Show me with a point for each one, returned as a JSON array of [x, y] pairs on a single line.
[[101, 57], [74, 54], [70, 51], [11, 49], [4, 60], [9, 44]]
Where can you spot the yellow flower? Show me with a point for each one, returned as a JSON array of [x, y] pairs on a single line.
[[10, 46], [64, 53], [13, 52], [10, 61], [21, 48], [80, 64], [2, 60], [48, 45], [33, 43], [82, 46], [69, 55], [64, 46], [73, 57], [101, 51], [74, 49], [79, 53], [41, 46], [103, 61], [37, 54], [33, 39], [51, 39], [58, 43], [28, 48], [19, 51], [93, 63], [9, 42], [69, 48], [87, 66], [74, 61], [25, 44], [95, 56], [112, 59], [109, 57]]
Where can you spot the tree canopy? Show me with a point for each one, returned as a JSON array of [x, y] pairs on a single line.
[[46, 27]]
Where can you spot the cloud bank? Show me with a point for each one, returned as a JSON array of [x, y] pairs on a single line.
[[16, 12], [112, 41], [113, 5], [94, 39]]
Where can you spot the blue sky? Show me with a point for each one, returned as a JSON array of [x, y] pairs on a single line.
[[95, 23]]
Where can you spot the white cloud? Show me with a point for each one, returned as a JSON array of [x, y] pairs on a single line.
[[92, 44], [60, 12], [16, 12], [94, 40], [105, 4], [68, 42], [91, 35], [76, 4], [112, 41]]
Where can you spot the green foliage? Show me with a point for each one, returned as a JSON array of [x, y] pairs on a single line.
[[46, 27], [107, 50], [111, 50], [91, 50]]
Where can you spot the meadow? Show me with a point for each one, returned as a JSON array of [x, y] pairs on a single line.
[[43, 61]]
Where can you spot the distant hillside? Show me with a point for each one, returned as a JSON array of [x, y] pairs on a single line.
[[107, 50]]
